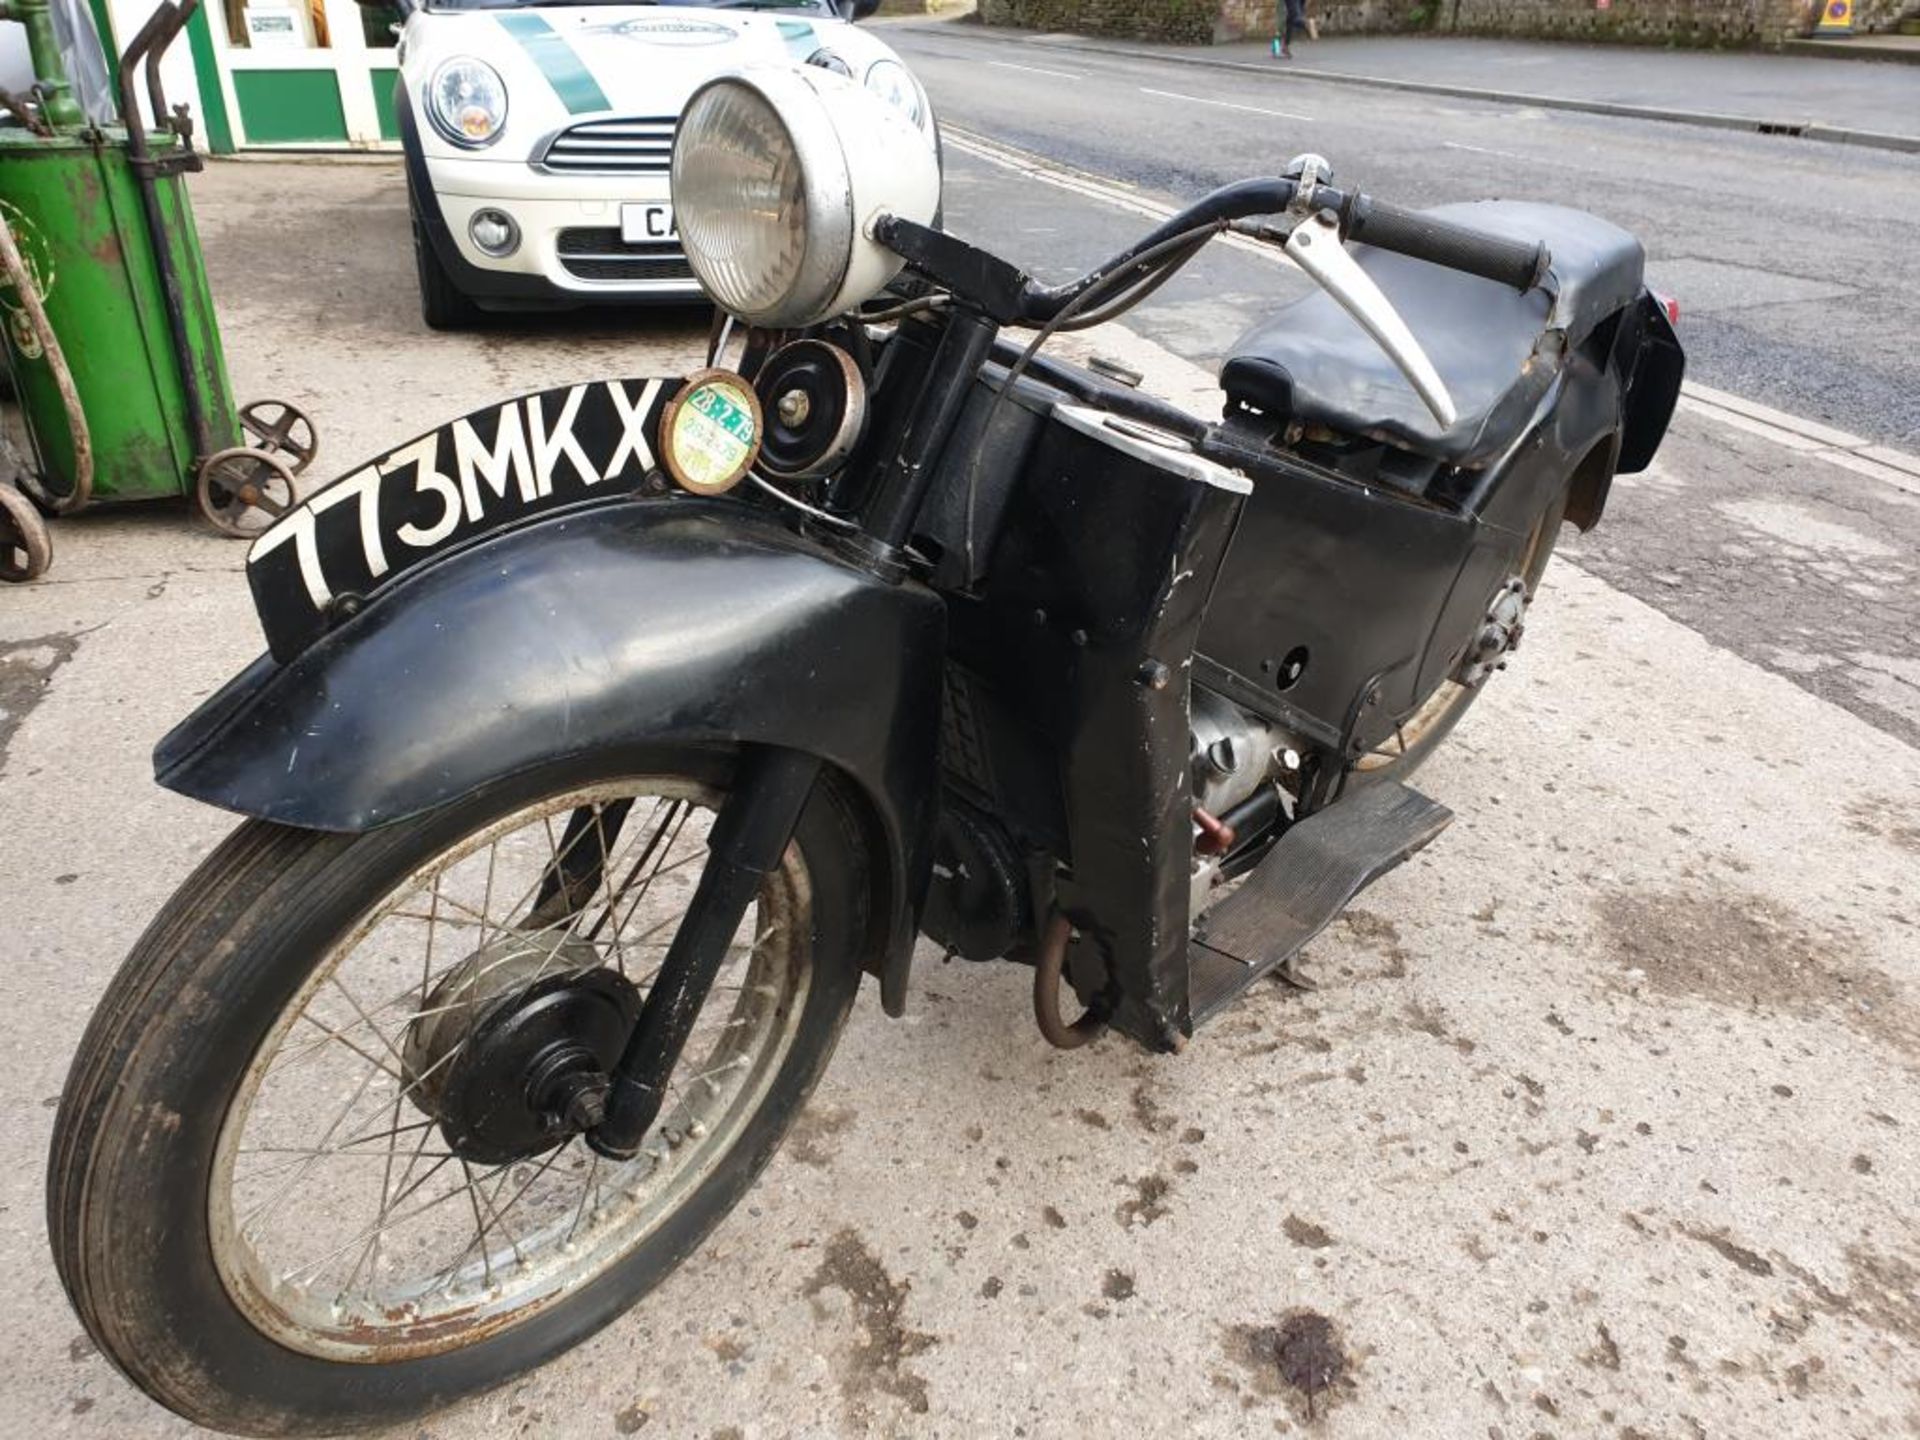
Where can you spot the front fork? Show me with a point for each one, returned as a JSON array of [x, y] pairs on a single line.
[[749, 836]]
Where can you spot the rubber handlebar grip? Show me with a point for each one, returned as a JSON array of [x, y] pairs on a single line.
[[1519, 263]]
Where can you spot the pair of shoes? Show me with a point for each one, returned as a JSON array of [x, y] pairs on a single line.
[[1285, 52]]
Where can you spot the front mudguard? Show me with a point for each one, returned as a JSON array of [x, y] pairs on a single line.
[[612, 628]]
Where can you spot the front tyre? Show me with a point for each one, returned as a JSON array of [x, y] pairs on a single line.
[[292, 1190], [443, 305]]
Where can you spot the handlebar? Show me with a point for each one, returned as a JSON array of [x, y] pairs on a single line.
[[1009, 296], [1518, 263]]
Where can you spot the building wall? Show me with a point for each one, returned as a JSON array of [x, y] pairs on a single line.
[[1186, 22], [1675, 22]]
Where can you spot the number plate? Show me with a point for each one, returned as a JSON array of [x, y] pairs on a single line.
[[640, 224], [484, 471]]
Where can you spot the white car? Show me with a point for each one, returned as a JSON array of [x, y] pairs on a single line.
[[538, 136]]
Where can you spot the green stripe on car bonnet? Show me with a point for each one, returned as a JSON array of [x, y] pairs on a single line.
[[799, 37], [571, 80]]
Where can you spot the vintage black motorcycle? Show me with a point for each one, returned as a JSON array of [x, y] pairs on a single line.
[[608, 736]]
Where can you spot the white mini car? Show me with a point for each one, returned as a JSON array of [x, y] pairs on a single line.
[[538, 135]]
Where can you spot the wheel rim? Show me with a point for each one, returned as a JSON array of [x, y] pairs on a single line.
[[374, 1241], [1449, 695], [25, 548]]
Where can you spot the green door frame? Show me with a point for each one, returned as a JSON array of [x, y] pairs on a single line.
[[206, 72]]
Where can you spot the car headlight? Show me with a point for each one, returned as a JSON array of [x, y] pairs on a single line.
[[890, 81], [779, 174], [467, 102]]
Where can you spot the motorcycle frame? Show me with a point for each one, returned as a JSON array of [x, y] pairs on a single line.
[[1034, 659]]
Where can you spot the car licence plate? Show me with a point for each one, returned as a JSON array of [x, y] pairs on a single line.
[[642, 223]]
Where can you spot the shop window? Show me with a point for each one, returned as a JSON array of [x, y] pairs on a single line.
[[267, 25]]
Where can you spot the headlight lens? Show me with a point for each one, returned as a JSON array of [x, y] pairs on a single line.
[[742, 209], [780, 173], [467, 102], [890, 81]]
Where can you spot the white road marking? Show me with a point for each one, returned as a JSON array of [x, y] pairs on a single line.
[[1480, 150], [1851, 452], [1034, 70], [1226, 104], [1088, 186], [1808, 437]]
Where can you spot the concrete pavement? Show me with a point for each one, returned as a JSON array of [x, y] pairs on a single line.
[[1867, 103]]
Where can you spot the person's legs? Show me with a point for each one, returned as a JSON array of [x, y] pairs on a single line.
[[1296, 20]]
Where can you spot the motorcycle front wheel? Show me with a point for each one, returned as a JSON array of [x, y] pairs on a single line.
[[283, 1198]]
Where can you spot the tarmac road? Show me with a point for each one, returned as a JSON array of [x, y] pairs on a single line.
[[1600, 1121], [1793, 260]]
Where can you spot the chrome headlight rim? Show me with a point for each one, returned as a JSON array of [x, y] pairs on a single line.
[[826, 194], [443, 125]]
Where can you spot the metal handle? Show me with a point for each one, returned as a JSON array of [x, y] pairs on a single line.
[[1519, 263]]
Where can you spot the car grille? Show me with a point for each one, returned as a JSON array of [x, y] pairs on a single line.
[[613, 147], [598, 253]]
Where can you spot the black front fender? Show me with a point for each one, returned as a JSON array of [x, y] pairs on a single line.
[[612, 628]]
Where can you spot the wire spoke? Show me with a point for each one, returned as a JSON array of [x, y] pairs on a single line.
[[388, 1238]]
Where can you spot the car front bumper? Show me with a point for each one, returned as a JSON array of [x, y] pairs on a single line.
[[570, 251]]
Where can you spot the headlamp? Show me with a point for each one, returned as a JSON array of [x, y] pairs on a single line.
[[890, 81], [467, 102], [778, 175]]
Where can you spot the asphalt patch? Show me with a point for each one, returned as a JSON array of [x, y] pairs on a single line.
[[26, 671]]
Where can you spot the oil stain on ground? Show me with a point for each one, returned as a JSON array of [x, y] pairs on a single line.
[[883, 1342], [26, 670], [1301, 1360], [1747, 953], [815, 1137]]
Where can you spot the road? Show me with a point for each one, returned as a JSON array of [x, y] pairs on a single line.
[[1793, 262], [1807, 568], [1599, 1122]]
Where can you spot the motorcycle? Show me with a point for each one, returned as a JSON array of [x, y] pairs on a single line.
[[607, 737]]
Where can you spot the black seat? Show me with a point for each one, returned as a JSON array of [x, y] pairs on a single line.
[[1310, 362]]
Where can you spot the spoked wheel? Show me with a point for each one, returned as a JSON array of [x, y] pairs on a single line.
[[26, 549], [282, 428], [320, 1163], [1420, 734], [242, 491]]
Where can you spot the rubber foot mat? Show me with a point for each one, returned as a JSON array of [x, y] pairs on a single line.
[[1309, 877]]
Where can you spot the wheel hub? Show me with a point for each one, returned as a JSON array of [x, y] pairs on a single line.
[[513, 1050]]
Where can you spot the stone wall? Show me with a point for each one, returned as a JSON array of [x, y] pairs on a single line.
[[1664, 22], [1656, 22], [1184, 22], [1254, 19]]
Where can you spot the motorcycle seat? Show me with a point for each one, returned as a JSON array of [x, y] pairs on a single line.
[[1496, 348]]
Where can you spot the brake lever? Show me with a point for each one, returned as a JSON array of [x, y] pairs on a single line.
[[1314, 245]]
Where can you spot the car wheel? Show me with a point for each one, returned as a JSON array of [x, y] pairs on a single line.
[[443, 305]]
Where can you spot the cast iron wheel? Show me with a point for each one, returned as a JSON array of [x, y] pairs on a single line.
[[26, 549], [1421, 733], [242, 491], [443, 305], [282, 428], [281, 1070]]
